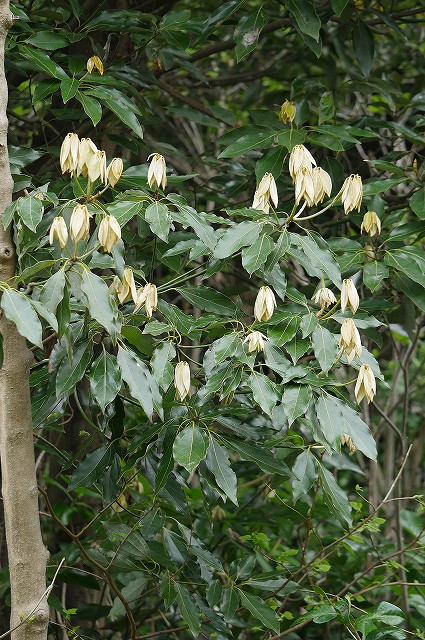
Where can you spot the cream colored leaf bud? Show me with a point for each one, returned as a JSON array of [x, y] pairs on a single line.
[[265, 304], [287, 112], [371, 223], [109, 232], [182, 380], [95, 64], [128, 287], [366, 384], [304, 186], [96, 167], [346, 439], [352, 193], [256, 341], [58, 230], [322, 184], [69, 153], [79, 225], [157, 173], [349, 296], [349, 341], [86, 150], [149, 296], [324, 297], [266, 191], [300, 157], [114, 171]]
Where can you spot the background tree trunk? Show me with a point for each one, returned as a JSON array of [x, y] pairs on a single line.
[[26, 552]]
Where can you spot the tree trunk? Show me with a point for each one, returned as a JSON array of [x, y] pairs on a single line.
[[26, 552]]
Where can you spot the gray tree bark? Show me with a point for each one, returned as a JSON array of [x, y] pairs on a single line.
[[27, 554]]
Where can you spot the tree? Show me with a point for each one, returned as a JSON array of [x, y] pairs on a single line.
[[201, 348]]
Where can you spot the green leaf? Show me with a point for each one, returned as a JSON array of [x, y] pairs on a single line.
[[264, 392], [364, 47], [283, 332], [256, 254], [214, 592], [217, 462], [321, 258], [189, 217], [325, 347], [412, 290], [308, 324], [339, 5], [374, 273], [326, 107], [9, 213], [142, 384], [161, 363], [238, 236], [91, 106], [158, 218], [295, 401], [247, 32], [271, 162], [105, 379], [336, 417], [208, 300], [19, 310], [306, 17], [408, 260], [30, 210], [190, 447], [417, 203], [261, 139], [52, 291], [42, 62], [230, 602], [48, 40], [335, 498], [69, 87], [258, 454], [304, 471], [91, 468], [124, 210], [121, 105], [260, 610], [71, 370], [188, 608], [297, 347], [99, 302], [46, 314]]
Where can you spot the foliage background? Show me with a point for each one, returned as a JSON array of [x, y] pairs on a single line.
[[202, 85]]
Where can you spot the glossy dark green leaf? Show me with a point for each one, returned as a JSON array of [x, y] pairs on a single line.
[[255, 255], [295, 401], [99, 302], [374, 273], [337, 418], [142, 384], [18, 308], [364, 47], [69, 87], [105, 379], [417, 203], [208, 299], [247, 32], [297, 347], [48, 316], [48, 40], [265, 392], [91, 106], [214, 592], [52, 291], [190, 447], [325, 347], [260, 140], [320, 257], [161, 363], [30, 210], [306, 17], [260, 611], [159, 220], [188, 608], [229, 602], [91, 467], [305, 474], [335, 498], [264, 458], [241, 235], [71, 370], [217, 461]]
